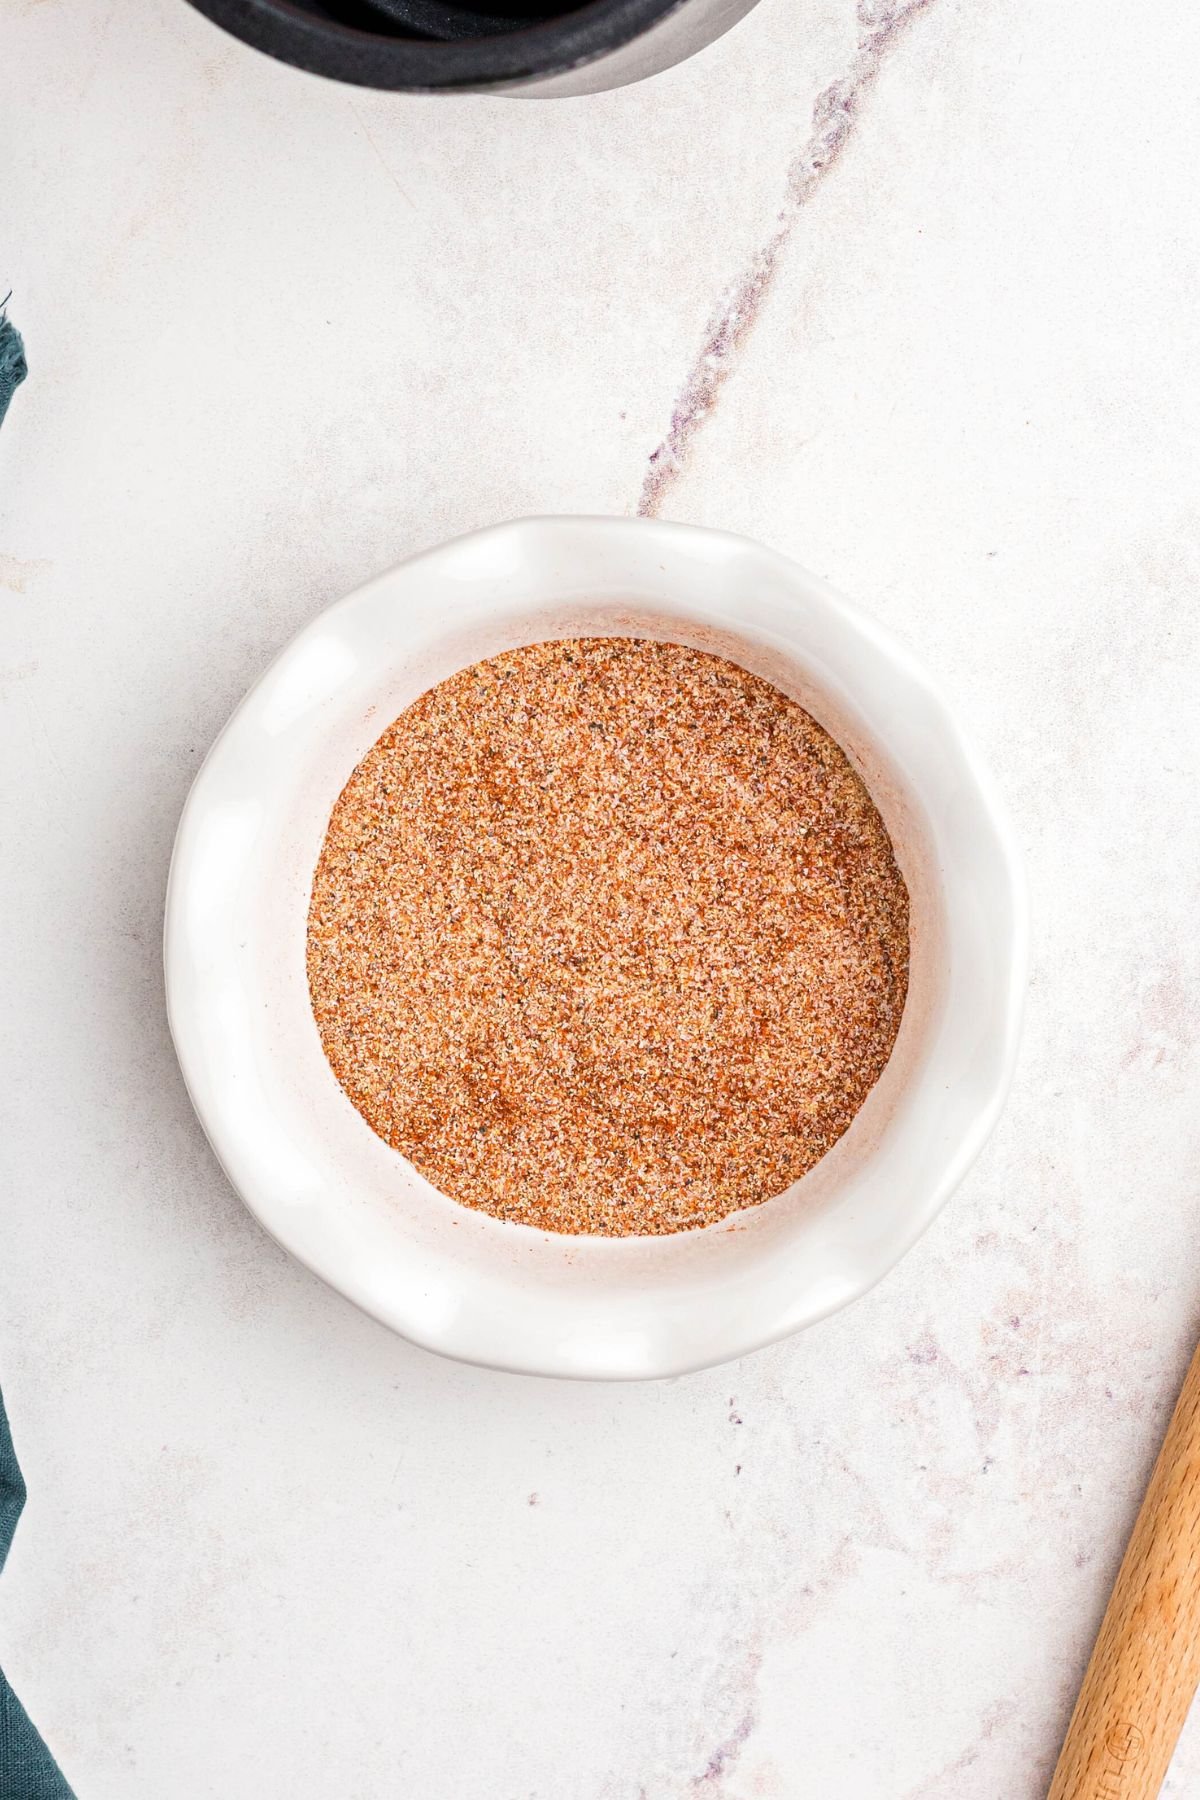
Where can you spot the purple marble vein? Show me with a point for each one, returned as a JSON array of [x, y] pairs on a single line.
[[834, 113]]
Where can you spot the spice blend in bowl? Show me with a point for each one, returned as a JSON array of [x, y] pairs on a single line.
[[607, 936]]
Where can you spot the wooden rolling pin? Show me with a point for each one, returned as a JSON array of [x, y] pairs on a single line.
[[1145, 1667]]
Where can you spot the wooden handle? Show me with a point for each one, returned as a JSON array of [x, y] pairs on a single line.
[[1145, 1667]]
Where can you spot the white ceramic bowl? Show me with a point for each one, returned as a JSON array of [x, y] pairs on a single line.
[[355, 1211]]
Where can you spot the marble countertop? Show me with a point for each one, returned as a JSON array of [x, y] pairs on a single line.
[[908, 293]]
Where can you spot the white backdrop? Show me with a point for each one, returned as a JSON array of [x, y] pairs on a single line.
[[281, 334]]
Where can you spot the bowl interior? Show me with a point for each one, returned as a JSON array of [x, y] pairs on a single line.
[[429, 44], [357, 1212]]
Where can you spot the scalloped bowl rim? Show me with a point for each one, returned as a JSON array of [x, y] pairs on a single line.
[[354, 1211]]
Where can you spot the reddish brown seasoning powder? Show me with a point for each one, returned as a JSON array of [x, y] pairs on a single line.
[[607, 936]]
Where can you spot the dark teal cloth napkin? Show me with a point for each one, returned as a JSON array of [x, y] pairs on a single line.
[[13, 369], [27, 1769]]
